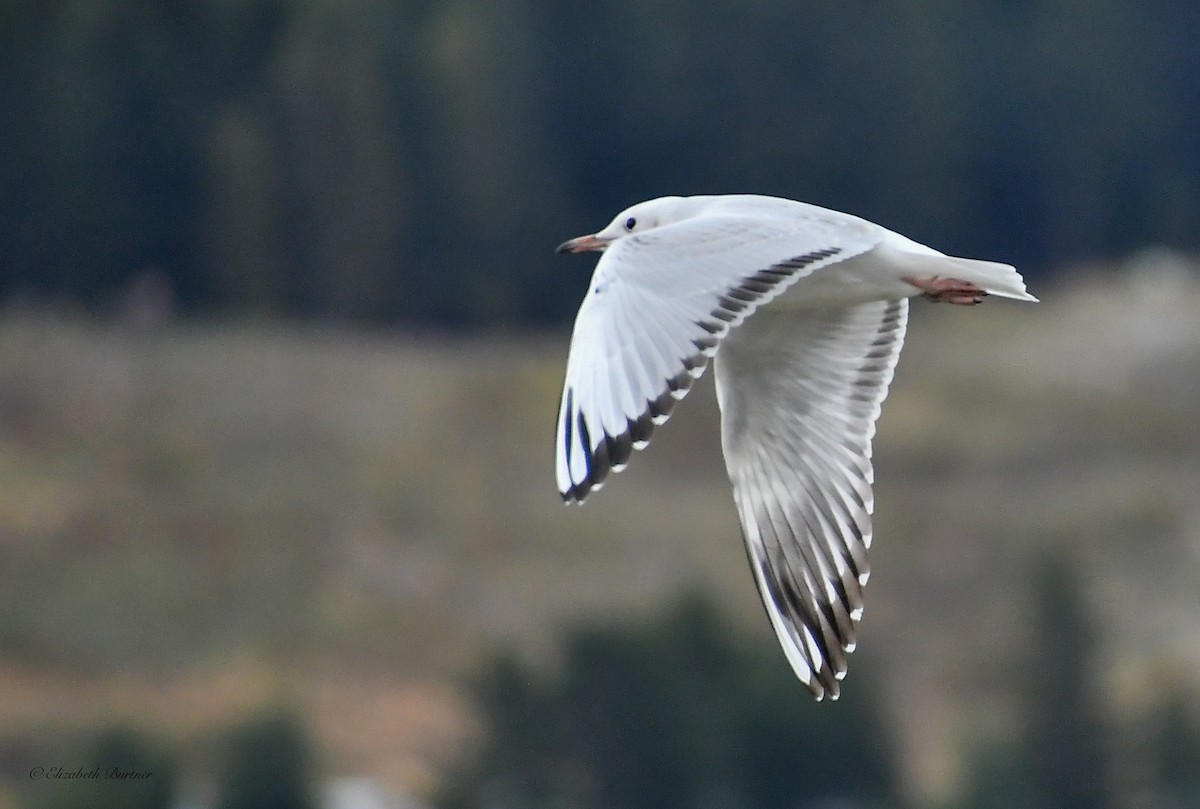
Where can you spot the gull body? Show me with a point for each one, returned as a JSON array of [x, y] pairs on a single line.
[[804, 310]]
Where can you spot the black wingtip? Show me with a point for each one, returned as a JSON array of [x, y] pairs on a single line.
[[576, 494]]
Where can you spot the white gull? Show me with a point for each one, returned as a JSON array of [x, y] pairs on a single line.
[[804, 310]]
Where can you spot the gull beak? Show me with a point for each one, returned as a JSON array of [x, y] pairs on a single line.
[[582, 244]]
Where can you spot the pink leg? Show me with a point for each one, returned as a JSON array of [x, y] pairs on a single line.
[[948, 290]]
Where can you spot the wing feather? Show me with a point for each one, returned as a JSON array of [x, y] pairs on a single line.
[[658, 308], [817, 594], [799, 398]]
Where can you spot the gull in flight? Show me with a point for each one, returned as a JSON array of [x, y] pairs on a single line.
[[803, 311]]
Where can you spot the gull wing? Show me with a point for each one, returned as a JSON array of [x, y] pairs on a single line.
[[799, 398], [659, 304]]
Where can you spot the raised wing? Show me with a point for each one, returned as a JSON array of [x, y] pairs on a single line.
[[659, 305], [799, 398]]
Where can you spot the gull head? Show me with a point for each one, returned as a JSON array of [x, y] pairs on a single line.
[[633, 220]]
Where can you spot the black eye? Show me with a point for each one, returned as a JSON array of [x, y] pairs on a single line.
[[630, 223]]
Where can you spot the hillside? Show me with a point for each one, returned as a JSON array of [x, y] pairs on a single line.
[[199, 519]]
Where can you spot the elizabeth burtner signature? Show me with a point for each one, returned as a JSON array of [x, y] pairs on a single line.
[[79, 773]]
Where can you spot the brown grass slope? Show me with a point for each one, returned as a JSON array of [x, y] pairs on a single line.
[[212, 513]]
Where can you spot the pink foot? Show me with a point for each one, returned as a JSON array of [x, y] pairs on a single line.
[[948, 290]]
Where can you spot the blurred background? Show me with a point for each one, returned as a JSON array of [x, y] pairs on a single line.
[[281, 342]]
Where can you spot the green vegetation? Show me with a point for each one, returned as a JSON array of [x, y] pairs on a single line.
[[118, 768], [270, 766], [266, 762], [1065, 736], [674, 714], [1174, 750], [1062, 755], [679, 714], [417, 161]]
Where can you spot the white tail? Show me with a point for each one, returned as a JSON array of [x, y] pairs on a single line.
[[913, 258], [992, 277]]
